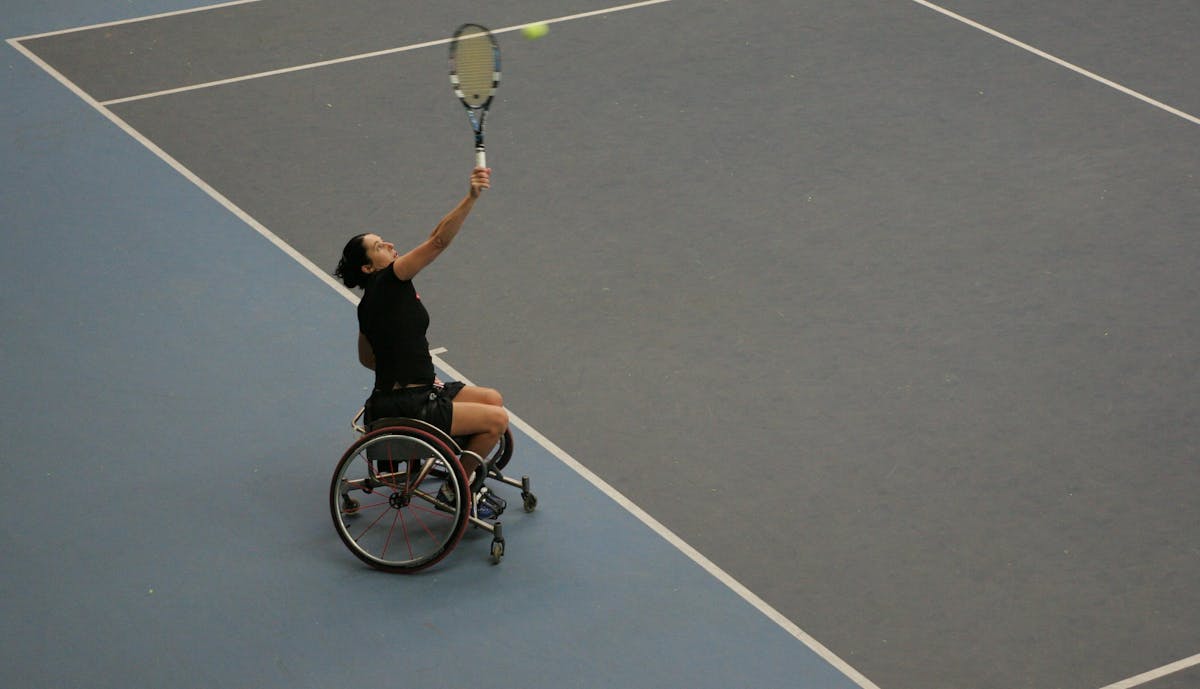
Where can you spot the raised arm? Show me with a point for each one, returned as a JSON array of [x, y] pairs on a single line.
[[407, 266]]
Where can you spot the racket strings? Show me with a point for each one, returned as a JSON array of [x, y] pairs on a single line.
[[475, 68]]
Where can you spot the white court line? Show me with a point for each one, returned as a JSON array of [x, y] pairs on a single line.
[[1157, 673], [135, 20], [682, 545], [1060, 62], [366, 56], [733, 584]]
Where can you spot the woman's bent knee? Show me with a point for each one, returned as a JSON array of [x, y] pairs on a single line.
[[497, 420], [471, 418], [488, 396]]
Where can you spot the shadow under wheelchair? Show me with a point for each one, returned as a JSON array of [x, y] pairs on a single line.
[[400, 499]]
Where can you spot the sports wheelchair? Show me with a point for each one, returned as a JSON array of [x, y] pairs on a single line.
[[399, 495]]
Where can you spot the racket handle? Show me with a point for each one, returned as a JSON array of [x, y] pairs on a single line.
[[480, 157]]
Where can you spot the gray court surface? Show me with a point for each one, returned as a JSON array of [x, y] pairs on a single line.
[[891, 319]]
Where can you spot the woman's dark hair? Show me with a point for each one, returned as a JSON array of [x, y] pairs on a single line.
[[354, 257]]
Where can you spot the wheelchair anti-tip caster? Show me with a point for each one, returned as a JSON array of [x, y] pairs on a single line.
[[527, 495], [497, 543]]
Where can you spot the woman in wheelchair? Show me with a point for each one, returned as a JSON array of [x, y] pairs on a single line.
[[392, 340]]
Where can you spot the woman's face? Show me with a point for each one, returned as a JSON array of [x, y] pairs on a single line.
[[379, 253]]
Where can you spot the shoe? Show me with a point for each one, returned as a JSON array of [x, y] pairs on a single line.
[[484, 511], [488, 506]]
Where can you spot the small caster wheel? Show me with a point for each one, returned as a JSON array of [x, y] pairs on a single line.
[[497, 550], [349, 504], [527, 495]]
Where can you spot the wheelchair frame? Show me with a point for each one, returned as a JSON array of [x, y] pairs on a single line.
[[399, 497]]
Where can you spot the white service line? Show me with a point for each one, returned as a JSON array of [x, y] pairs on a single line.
[[1157, 673], [1060, 62], [366, 56], [273, 72]]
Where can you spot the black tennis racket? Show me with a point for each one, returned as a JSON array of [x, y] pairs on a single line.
[[475, 74]]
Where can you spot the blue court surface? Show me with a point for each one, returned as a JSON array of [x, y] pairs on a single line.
[[894, 475]]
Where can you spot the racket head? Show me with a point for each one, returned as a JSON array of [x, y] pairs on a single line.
[[474, 66]]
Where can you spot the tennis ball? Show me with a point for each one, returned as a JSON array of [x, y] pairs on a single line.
[[535, 31]]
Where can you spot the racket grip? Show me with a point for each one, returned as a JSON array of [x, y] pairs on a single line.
[[480, 157]]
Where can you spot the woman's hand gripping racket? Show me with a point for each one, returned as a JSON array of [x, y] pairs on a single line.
[[475, 74]]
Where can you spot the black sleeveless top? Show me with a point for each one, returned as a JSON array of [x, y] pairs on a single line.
[[394, 320]]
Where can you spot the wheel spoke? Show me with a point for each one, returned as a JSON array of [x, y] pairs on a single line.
[[388, 542], [435, 512], [371, 525]]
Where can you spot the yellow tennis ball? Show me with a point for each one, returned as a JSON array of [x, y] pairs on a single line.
[[534, 31]]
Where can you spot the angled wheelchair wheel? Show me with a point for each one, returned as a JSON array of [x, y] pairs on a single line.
[[500, 455], [503, 451], [399, 499]]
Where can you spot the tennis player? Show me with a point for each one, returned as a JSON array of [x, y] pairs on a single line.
[[392, 325]]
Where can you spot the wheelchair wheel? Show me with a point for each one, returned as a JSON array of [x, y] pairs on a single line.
[[399, 499], [500, 455], [503, 451]]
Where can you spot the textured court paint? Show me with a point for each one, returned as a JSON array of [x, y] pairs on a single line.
[[1183, 670], [937, 8], [1061, 62], [133, 20], [1048, 121], [187, 386], [682, 546], [706, 564], [364, 56], [927, 317], [39, 18]]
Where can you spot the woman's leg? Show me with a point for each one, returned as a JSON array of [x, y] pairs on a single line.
[[472, 393], [484, 422]]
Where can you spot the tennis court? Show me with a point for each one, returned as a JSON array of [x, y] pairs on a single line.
[[852, 345]]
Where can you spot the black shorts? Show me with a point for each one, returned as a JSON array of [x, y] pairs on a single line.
[[430, 403]]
